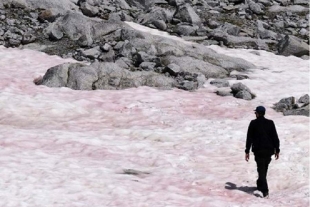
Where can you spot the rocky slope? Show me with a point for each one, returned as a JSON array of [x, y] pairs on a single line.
[[95, 31]]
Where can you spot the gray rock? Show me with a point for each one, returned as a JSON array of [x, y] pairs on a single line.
[[147, 66], [239, 77], [107, 56], [188, 85], [92, 53], [246, 95], [55, 30], [14, 39], [62, 6], [123, 4], [230, 29], [304, 99], [201, 79], [237, 42], [34, 46], [224, 92], [304, 32], [88, 9], [301, 2], [172, 69], [213, 3], [14, 3], [10, 22], [288, 101], [111, 76], [289, 107], [305, 57], [226, 62], [80, 28], [160, 24], [256, 8], [285, 104], [115, 17], [123, 62], [202, 31], [153, 16], [82, 78], [280, 107], [189, 81], [220, 83], [237, 87], [106, 47], [186, 30], [266, 2], [142, 4], [283, 2], [57, 76], [175, 2], [119, 45], [28, 38], [145, 57], [264, 33], [304, 111], [241, 91], [291, 45], [291, 8], [289, 23], [186, 13], [213, 24], [279, 24], [192, 65]]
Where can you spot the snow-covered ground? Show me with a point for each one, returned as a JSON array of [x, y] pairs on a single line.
[[66, 148]]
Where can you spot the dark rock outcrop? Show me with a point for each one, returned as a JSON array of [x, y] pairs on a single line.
[[102, 76], [288, 106]]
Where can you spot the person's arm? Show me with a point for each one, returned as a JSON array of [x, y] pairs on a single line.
[[248, 142], [276, 141]]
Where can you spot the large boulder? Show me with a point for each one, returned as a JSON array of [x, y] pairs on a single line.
[[80, 28], [291, 45], [57, 76], [102, 76], [192, 65]]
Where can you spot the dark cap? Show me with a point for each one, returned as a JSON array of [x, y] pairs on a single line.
[[260, 109]]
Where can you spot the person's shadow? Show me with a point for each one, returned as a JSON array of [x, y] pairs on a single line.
[[246, 189]]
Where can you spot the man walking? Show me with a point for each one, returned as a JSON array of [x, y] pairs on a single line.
[[263, 138]]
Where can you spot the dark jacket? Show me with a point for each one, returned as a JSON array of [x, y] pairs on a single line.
[[262, 135]]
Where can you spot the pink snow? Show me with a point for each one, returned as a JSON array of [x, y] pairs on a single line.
[[60, 147]]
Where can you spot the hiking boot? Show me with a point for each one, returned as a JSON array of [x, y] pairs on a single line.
[[265, 194]]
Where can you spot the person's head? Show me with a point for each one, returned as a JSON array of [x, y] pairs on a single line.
[[260, 111]]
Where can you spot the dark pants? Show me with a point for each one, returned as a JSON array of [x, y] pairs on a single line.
[[262, 158]]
